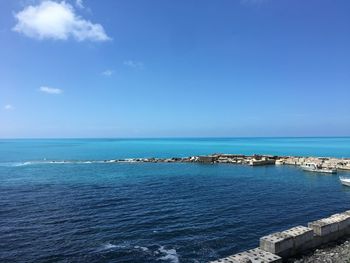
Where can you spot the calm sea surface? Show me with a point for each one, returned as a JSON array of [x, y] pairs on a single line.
[[122, 212]]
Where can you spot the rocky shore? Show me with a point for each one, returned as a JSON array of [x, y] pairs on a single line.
[[254, 160], [336, 252]]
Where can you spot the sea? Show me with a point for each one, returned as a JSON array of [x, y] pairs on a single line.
[[60, 202]]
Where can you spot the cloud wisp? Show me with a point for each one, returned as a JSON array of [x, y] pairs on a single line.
[[133, 64], [108, 73], [58, 21], [79, 3], [9, 107], [49, 90]]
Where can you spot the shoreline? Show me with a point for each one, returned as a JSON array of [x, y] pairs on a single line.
[[252, 160], [234, 159], [335, 252]]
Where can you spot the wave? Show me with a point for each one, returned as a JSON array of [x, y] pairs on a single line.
[[163, 254], [17, 164], [144, 249], [110, 246], [170, 255]]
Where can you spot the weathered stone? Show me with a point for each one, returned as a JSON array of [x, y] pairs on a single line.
[[256, 255], [206, 159], [301, 235], [238, 258], [343, 220], [263, 161], [347, 212], [259, 255], [324, 226], [277, 243]]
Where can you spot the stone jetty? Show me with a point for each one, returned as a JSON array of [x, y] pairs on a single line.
[[280, 246], [253, 160]]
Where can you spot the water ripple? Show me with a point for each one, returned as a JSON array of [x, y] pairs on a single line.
[[152, 212]]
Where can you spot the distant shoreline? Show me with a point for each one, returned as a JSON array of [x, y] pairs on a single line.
[[174, 138], [252, 160]]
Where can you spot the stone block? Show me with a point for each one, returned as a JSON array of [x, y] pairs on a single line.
[[206, 159], [256, 255], [278, 243], [238, 258], [324, 227], [259, 255], [343, 220], [301, 236], [347, 212]]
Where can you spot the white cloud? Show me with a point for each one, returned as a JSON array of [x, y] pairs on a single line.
[[108, 73], [133, 64], [50, 90], [53, 20], [9, 107], [79, 3]]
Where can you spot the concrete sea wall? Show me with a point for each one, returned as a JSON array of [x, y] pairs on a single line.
[[279, 246]]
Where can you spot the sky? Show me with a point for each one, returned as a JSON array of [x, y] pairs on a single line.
[[174, 68]]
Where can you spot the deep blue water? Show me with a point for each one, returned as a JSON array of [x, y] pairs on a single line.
[[165, 212]]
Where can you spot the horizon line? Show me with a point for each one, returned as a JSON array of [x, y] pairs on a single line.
[[169, 137]]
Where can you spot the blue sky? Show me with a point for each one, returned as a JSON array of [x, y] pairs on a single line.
[[184, 68]]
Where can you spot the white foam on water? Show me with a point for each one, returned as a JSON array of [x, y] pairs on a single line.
[[129, 160], [16, 164], [144, 249], [45, 161], [57, 162], [109, 161], [109, 246], [23, 164], [78, 162], [170, 255]]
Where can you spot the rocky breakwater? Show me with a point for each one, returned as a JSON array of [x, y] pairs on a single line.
[[209, 159], [253, 160], [324, 162]]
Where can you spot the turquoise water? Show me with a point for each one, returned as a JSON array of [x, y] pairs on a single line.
[[100, 149], [161, 212]]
